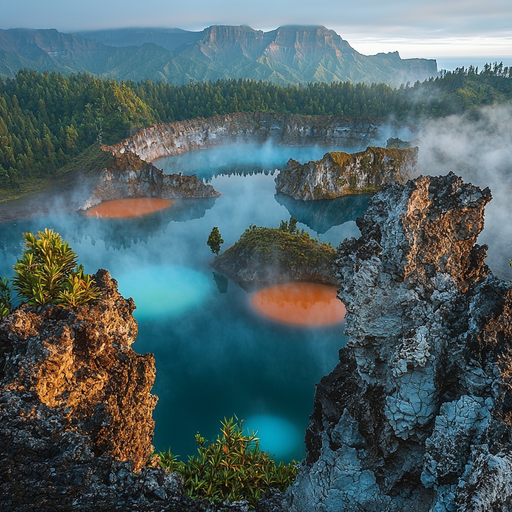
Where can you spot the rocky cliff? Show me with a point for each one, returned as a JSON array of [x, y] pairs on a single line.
[[249, 127], [416, 416], [76, 410], [126, 175], [339, 173]]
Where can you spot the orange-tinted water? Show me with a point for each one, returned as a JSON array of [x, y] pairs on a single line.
[[302, 304], [128, 207]]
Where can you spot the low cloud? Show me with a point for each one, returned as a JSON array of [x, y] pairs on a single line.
[[478, 147]]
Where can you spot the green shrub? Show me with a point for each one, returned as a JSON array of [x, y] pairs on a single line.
[[47, 273], [5, 298], [231, 468]]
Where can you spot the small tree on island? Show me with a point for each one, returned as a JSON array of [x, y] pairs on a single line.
[[215, 240]]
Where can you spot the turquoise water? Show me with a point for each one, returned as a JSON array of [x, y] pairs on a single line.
[[215, 357]]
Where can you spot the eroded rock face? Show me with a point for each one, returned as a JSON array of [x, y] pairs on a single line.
[[338, 174], [248, 127], [76, 410], [129, 176], [417, 414]]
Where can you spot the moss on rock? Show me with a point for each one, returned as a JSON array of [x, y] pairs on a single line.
[[275, 255]]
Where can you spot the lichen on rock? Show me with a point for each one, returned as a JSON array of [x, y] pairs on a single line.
[[339, 173]]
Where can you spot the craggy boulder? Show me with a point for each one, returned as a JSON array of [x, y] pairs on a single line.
[[126, 176], [417, 414]]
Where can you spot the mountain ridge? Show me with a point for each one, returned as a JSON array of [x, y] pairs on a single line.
[[288, 55]]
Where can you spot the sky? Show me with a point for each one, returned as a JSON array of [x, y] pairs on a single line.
[[451, 31]]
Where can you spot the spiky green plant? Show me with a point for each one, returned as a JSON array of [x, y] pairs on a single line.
[[47, 273], [231, 468]]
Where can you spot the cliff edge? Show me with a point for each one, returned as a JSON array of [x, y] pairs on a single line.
[[339, 173], [76, 410], [417, 414]]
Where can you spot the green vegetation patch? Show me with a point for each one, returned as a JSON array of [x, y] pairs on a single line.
[[231, 468], [48, 273], [286, 247]]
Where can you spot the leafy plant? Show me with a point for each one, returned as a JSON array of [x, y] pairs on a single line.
[[5, 298], [215, 240], [47, 273], [231, 468]]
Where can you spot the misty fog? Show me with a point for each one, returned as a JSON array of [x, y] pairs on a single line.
[[478, 147]]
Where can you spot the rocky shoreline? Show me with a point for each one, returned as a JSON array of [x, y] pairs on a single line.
[[267, 255]]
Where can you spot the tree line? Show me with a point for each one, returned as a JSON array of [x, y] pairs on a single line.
[[46, 119]]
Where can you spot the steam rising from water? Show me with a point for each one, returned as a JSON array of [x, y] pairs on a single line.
[[213, 358], [277, 435]]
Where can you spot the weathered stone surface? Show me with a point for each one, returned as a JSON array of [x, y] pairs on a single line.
[[76, 413], [76, 409], [416, 415], [249, 127], [338, 173], [129, 176]]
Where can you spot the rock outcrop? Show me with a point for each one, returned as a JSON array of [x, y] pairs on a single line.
[[250, 127], [126, 175], [416, 416], [339, 173], [76, 410], [269, 255]]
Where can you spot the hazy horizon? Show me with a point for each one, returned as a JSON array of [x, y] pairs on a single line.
[[435, 29]]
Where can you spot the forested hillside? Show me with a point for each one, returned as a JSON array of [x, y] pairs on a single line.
[[46, 119]]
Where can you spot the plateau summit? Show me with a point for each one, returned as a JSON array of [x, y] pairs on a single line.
[[288, 55]]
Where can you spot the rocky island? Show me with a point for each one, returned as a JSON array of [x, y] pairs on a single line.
[[278, 255], [126, 175], [339, 173]]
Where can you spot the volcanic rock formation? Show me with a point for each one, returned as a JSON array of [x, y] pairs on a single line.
[[416, 416], [339, 173], [250, 127], [126, 175], [76, 410]]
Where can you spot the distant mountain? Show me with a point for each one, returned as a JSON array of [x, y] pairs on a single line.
[[287, 55]]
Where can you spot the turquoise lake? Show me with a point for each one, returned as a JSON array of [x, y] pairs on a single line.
[[215, 356]]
